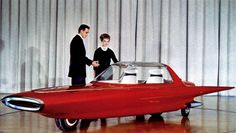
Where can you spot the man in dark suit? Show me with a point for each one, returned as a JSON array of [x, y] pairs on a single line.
[[78, 59], [104, 54]]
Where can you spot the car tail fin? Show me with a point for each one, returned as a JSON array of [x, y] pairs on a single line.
[[211, 89]]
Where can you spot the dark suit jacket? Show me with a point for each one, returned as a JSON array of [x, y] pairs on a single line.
[[78, 59], [104, 59]]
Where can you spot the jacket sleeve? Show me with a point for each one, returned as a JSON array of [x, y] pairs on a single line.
[[88, 61], [95, 56], [113, 56], [78, 53]]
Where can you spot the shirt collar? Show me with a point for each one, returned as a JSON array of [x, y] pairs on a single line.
[[80, 36], [104, 48]]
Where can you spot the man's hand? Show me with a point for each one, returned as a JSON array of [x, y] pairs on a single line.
[[95, 64]]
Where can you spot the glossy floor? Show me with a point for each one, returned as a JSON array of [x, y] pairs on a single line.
[[217, 115]]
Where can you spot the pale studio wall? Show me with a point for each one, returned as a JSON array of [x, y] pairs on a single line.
[[195, 37]]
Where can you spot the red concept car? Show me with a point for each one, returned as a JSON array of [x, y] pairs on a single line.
[[123, 89]]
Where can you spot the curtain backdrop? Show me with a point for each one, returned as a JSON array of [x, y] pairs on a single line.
[[195, 37]]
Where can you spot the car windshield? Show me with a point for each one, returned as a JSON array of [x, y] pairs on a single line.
[[135, 73]]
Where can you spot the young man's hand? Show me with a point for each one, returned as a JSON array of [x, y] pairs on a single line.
[[95, 64]]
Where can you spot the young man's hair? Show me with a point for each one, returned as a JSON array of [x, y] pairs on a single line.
[[104, 36], [83, 27]]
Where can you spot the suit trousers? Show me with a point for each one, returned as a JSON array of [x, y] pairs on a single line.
[[78, 80]]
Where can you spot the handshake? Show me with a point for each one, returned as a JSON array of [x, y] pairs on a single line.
[[95, 64]]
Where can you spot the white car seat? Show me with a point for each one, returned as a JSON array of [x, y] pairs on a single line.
[[155, 76], [130, 77]]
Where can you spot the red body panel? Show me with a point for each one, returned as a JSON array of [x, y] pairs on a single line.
[[109, 100], [100, 100]]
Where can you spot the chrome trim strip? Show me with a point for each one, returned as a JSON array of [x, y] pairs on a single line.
[[7, 101], [195, 104]]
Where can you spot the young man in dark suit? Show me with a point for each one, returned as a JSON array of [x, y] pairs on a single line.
[[104, 54], [78, 59]]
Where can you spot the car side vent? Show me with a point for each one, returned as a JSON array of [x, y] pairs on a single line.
[[23, 103]]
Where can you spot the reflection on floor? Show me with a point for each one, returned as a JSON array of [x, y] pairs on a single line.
[[217, 115]]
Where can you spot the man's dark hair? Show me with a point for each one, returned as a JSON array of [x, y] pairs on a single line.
[[83, 27], [104, 35]]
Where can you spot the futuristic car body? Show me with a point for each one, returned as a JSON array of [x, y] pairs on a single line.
[[123, 89]]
